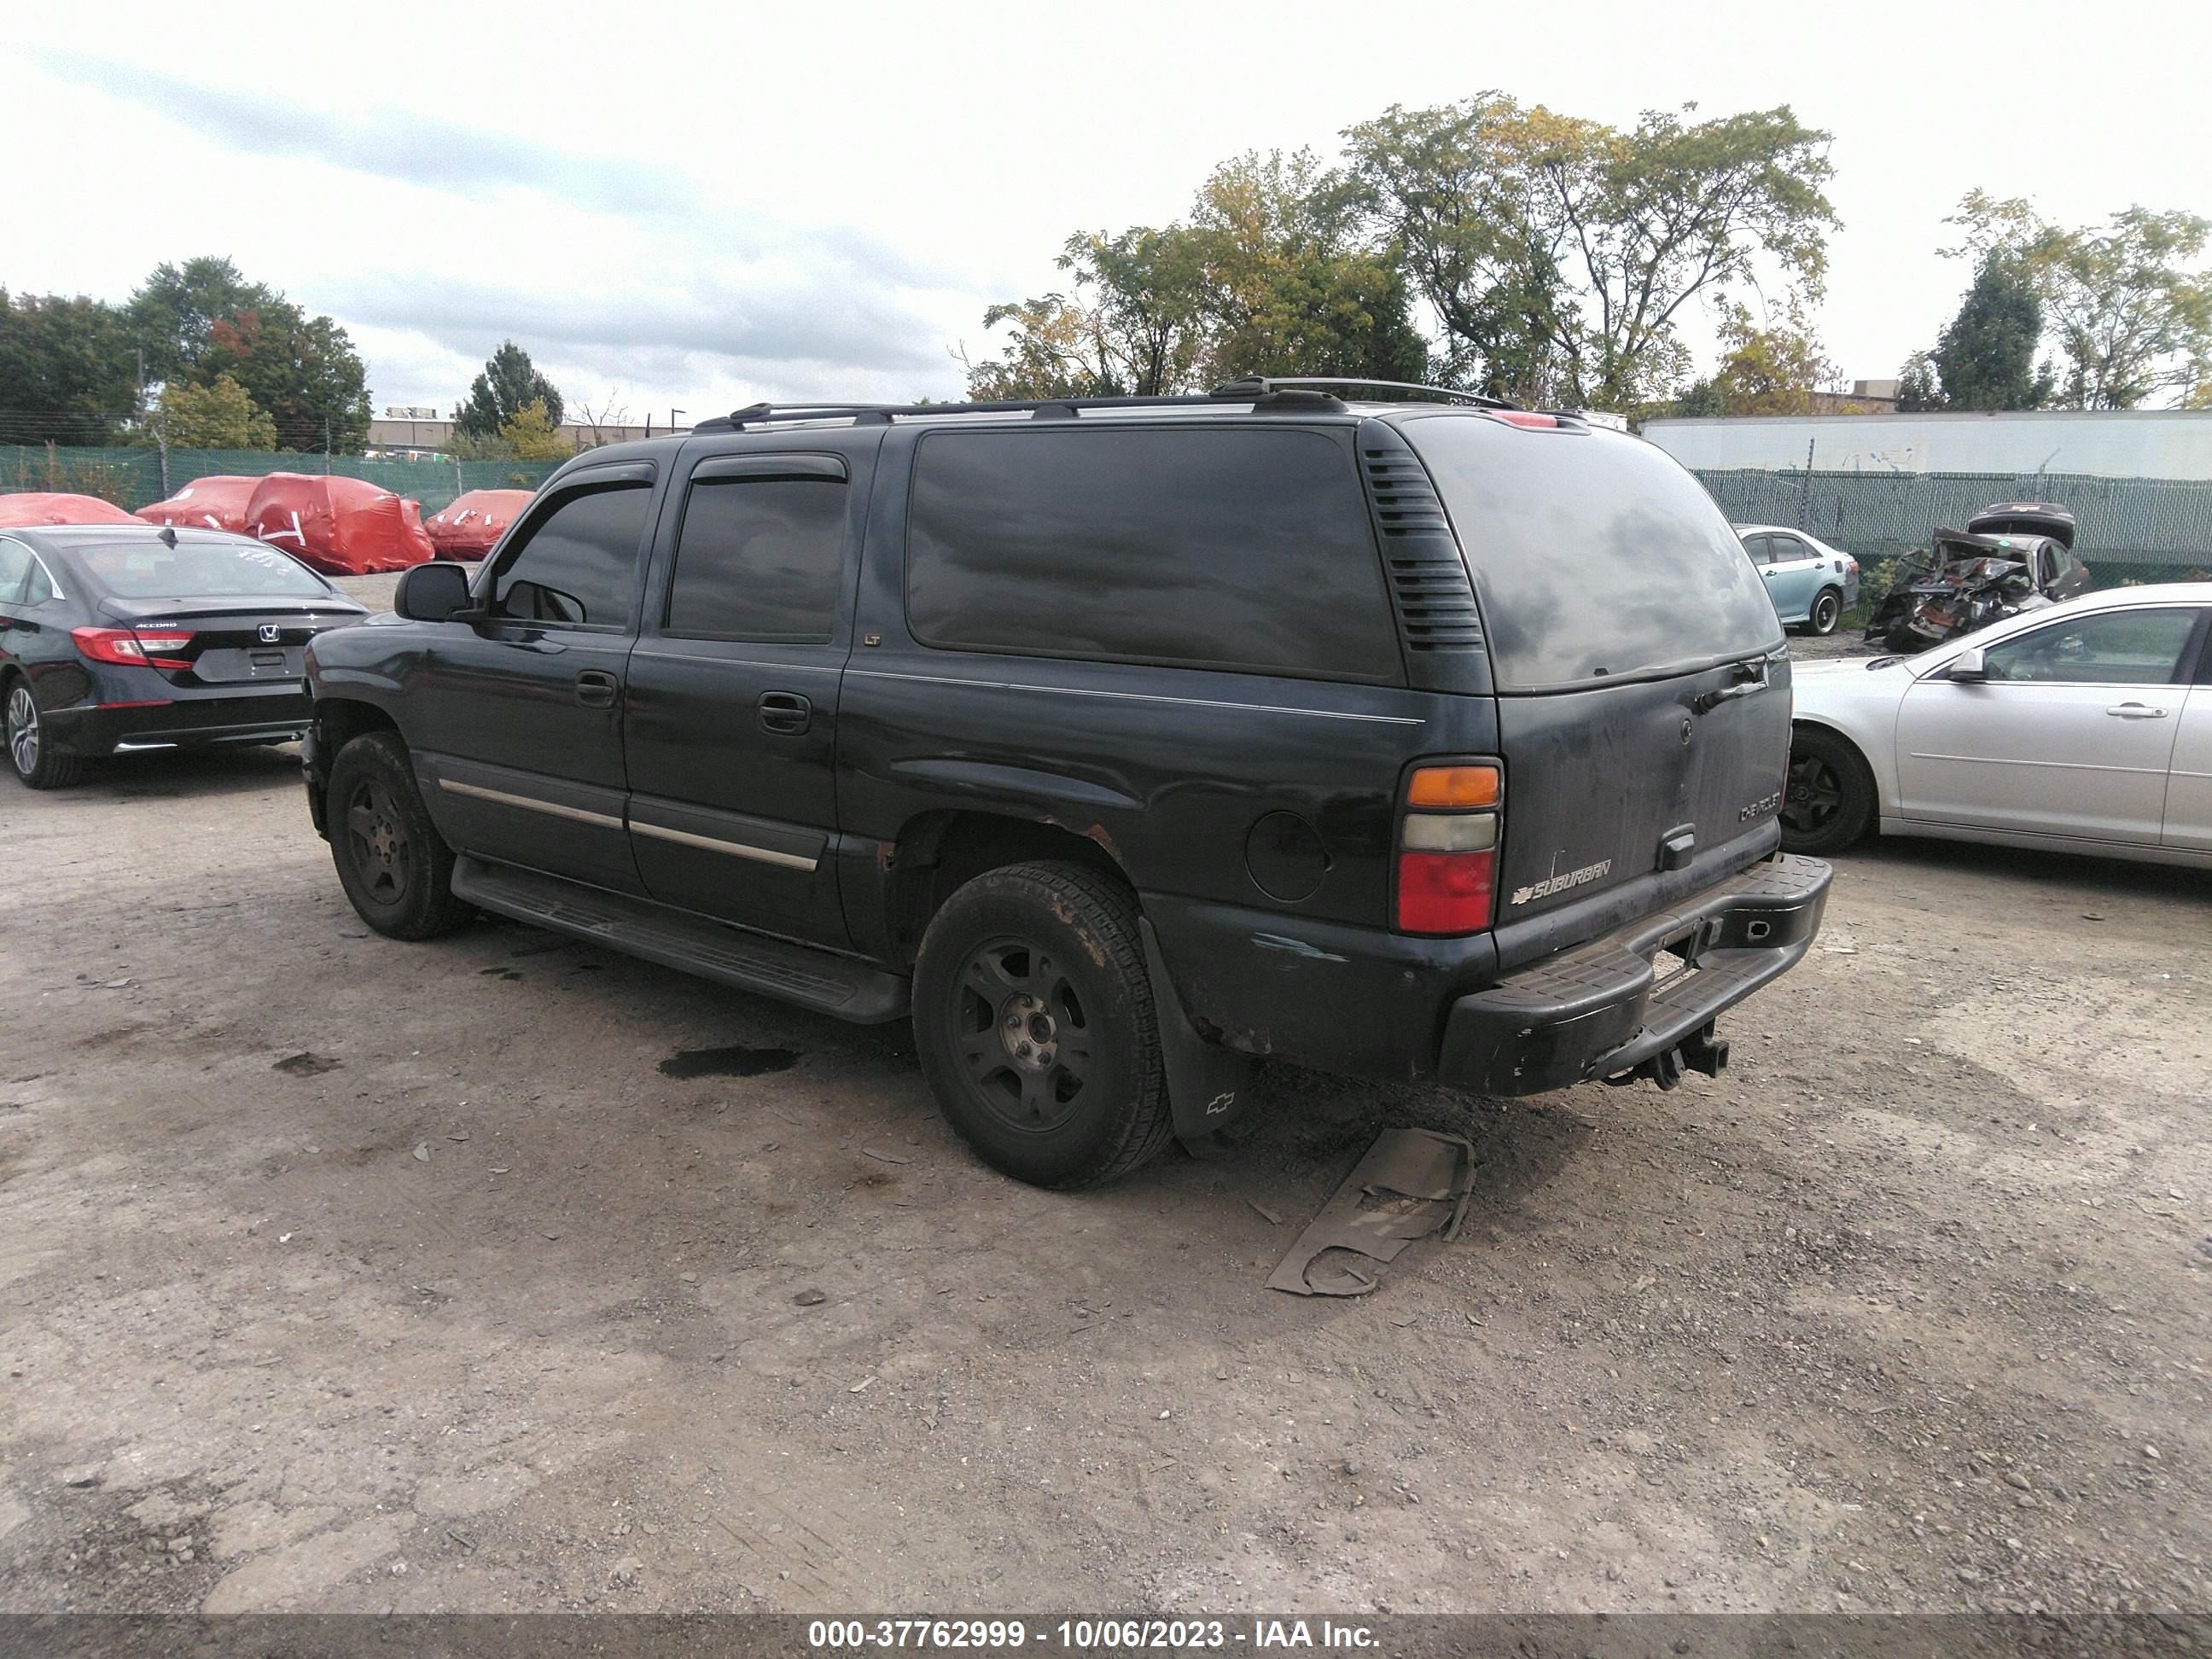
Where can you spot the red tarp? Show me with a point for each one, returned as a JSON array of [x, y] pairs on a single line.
[[217, 502], [30, 509], [340, 526], [467, 528]]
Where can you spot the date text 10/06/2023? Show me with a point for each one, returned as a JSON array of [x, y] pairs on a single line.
[[1083, 1635]]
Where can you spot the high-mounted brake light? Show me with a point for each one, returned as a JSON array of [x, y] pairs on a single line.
[[1528, 418], [1448, 849], [130, 648]]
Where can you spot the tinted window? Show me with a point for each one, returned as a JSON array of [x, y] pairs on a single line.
[[2119, 648], [1788, 547], [16, 566], [1595, 554], [1220, 547], [38, 586], [152, 569], [1761, 549], [759, 559], [579, 565]]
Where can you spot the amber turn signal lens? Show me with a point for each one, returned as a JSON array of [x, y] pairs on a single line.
[[1453, 785]]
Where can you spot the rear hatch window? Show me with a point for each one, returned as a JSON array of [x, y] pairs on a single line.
[[1597, 558]]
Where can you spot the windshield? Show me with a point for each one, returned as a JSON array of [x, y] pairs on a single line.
[[1594, 556], [152, 569]]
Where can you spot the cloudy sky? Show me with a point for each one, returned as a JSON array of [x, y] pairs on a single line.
[[692, 206]]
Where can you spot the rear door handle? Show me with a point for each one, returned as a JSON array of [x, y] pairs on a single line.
[[595, 689], [786, 712], [2135, 711]]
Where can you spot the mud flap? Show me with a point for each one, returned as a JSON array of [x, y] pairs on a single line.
[[1208, 1084]]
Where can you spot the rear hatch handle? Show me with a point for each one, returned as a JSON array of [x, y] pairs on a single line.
[[1750, 677]]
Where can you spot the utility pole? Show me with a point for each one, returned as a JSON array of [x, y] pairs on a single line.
[[672, 414], [1805, 490]]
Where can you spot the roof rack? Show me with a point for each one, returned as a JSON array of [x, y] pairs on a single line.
[[1264, 384], [1268, 394]]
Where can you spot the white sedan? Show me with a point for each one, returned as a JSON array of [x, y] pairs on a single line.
[[2085, 726]]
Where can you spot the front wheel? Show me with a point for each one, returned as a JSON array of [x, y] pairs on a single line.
[[31, 752], [395, 866], [1827, 612], [1829, 803], [1034, 1021]]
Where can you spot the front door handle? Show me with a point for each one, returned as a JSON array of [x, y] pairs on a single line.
[[784, 712], [595, 689], [2135, 711]]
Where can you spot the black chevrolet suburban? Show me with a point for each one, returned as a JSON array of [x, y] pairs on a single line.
[[1113, 741]]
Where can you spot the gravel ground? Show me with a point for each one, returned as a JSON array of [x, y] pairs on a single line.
[[343, 1274]]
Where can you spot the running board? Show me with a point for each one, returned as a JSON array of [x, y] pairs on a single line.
[[819, 980]]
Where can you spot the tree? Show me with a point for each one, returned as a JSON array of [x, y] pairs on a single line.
[[2130, 302], [1289, 289], [1773, 370], [1986, 355], [1917, 390], [532, 434], [203, 319], [173, 314], [217, 416], [1558, 253], [1055, 351], [509, 381], [67, 374]]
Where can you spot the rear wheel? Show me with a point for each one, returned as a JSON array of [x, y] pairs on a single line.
[[396, 867], [1033, 1017], [1829, 803], [31, 753], [1827, 612]]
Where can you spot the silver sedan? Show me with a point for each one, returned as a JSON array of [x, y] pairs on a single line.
[[2085, 726]]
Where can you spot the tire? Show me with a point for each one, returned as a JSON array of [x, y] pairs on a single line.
[[395, 866], [1828, 803], [1033, 1017], [1828, 610], [31, 754]]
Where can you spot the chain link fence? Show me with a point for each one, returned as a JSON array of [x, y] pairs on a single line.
[[2143, 530], [136, 477]]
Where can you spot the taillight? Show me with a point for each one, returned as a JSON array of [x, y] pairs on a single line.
[[133, 648], [1448, 849]]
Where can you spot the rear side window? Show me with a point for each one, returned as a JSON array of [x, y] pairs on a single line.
[[579, 566], [1594, 556], [759, 559], [1205, 547], [16, 566]]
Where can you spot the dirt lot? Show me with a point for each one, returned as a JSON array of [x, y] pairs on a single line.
[[345, 1274]]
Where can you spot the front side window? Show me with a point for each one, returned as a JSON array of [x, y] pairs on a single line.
[[578, 566], [759, 558], [1212, 547], [2117, 647]]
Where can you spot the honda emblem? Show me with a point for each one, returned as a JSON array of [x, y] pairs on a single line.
[[271, 633]]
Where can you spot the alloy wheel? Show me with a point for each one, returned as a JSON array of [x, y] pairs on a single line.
[[23, 730], [1814, 795], [1022, 1034], [377, 838]]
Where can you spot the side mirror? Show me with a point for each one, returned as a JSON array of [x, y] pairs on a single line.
[[432, 592], [1969, 665]]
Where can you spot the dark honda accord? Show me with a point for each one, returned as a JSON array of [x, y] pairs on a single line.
[[114, 638]]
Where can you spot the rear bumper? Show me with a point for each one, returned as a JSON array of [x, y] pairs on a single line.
[[92, 730], [1607, 1007]]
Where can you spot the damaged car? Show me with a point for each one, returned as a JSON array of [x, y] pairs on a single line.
[[2011, 557]]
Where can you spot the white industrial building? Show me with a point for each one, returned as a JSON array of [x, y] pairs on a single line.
[[2156, 443]]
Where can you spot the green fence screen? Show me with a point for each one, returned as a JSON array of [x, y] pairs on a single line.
[[2147, 530], [133, 478], [2132, 529]]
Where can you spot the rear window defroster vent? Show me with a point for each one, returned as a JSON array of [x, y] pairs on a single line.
[[1428, 578]]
